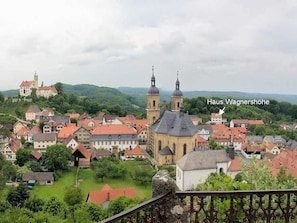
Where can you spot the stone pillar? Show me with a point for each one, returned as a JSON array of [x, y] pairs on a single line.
[[162, 183]]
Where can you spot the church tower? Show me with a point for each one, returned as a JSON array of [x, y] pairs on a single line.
[[177, 97], [153, 101], [152, 110]]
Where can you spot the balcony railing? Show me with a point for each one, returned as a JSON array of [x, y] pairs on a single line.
[[215, 206]]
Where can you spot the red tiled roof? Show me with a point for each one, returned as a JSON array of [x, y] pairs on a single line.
[[33, 109], [26, 84], [235, 165], [47, 88], [65, 132], [113, 129], [134, 152], [36, 154], [72, 115], [216, 115], [256, 122], [107, 193], [80, 147], [24, 131]]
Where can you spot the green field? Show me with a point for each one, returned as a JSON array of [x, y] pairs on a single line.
[[87, 182]]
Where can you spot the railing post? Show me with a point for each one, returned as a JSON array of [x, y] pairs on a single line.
[[162, 183]]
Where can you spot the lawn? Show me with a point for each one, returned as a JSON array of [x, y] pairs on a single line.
[[87, 182]]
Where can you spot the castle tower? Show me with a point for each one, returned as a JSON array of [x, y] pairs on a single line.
[[35, 82], [177, 97]]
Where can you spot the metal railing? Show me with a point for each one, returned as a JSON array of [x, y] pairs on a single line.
[[216, 206]]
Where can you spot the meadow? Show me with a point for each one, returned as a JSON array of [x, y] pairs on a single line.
[[88, 182]]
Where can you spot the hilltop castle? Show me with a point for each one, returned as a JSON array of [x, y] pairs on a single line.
[[26, 88], [171, 133]]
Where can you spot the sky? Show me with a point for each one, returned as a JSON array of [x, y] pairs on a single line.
[[216, 45]]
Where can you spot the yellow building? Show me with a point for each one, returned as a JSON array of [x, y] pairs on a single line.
[[171, 133]]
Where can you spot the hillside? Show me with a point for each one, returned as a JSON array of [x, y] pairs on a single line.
[[166, 95], [137, 96]]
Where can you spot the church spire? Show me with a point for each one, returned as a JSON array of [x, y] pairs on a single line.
[[177, 82], [153, 79]]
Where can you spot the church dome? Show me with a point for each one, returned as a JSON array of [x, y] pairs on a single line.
[[153, 90], [177, 93]]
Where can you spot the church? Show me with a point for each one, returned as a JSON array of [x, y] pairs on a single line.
[[171, 132]]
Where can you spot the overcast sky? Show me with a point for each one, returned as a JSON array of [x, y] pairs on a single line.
[[216, 45]]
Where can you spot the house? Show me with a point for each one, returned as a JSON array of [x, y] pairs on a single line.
[[9, 149], [23, 133], [46, 91], [42, 178], [17, 126], [272, 148], [32, 112], [201, 142], [65, 132], [278, 140], [250, 151], [89, 124], [42, 140], [82, 135], [34, 130], [254, 139], [195, 119], [70, 142], [97, 154], [115, 137], [286, 159], [54, 118], [53, 127], [204, 131], [194, 168], [131, 154], [217, 118], [103, 196], [244, 123]]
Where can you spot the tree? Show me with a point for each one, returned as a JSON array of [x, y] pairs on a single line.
[[17, 196], [59, 88], [56, 157], [56, 208], [22, 156], [34, 204], [73, 196]]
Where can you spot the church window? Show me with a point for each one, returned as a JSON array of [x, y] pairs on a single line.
[[159, 145], [185, 149]]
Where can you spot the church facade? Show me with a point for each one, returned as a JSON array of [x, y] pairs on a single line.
[[171, 132]]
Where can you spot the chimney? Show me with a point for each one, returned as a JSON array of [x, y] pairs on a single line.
[[231, 148]]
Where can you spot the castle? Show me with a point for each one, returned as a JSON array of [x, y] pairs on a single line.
[[171, 133], [26, 88]]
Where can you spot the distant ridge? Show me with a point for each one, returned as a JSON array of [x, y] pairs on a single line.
[[166, 95], [140, 93]]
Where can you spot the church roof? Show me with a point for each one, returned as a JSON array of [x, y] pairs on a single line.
[[175, 124], [202, 159]]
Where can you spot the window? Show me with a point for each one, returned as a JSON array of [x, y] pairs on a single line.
[[174, 147], [185, 149], [154, 103], [159, 145]]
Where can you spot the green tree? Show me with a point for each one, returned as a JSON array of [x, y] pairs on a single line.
[[17, 196], [59, 87], [56, 157], [73, 196], [56, 208], [34, 204], [22, 156]]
